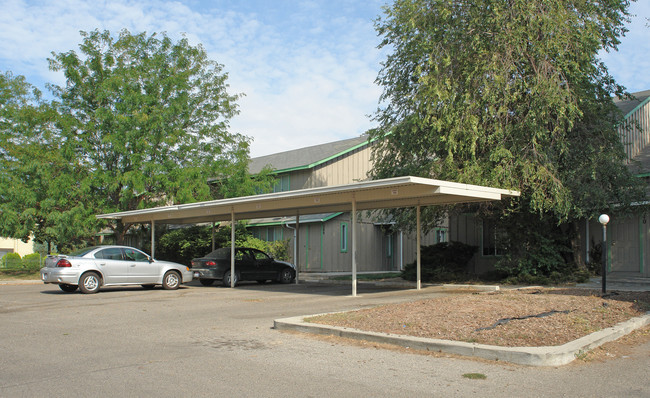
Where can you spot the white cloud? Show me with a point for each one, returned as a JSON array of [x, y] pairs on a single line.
[[308, 77], [629, 65]]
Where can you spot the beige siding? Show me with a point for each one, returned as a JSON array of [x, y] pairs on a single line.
[[16, 246], [636, 139], [345, 169]]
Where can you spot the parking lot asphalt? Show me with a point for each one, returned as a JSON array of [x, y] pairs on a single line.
[[215, 341]]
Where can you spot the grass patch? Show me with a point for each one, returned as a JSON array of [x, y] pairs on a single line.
[[368, 277], [18, 274], [475, 376]]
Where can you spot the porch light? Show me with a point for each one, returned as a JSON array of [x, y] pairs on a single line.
[[603, 220]]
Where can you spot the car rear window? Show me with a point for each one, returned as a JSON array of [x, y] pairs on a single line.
[[82, 252], [220, 254]]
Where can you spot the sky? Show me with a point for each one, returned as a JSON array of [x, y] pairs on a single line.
[[307, 67]]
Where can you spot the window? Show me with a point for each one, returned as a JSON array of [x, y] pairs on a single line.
[[441, 235], [493, 238], [257, 234], [344, 237], [282, 184], [273, 234], [135, 255], [111, 253]]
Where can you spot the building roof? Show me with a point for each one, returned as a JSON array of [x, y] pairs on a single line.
[[628, 106], [306, 158], [394, 192]]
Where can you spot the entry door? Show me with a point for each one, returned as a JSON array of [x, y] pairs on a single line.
[[625, 241]]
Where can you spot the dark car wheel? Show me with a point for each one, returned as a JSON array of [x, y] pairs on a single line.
[[171, 280], [226, 279], [286, 276], [89, 283], [206, 282], [68, 288]]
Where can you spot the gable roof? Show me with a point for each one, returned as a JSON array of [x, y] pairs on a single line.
[[306, 158], [628, 106]]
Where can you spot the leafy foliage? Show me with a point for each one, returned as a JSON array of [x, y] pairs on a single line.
[[11, 260], [38, 186], [442, 261], [278, 249], [181, 245], [32, 261], [509, 94], [141, 121]]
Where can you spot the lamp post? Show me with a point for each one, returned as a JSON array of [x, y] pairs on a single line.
[[604, 219]]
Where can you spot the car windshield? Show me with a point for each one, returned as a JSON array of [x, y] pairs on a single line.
[[220, 254]]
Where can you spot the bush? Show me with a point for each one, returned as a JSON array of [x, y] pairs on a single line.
[[183, 244], [278, 249], [11, 260], [442, 261], [32, 261]]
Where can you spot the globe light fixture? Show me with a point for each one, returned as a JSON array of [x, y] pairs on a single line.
[[603, 220]]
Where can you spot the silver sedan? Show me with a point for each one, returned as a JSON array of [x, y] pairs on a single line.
[[93, 267]]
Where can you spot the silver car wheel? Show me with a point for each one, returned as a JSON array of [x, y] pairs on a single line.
[[90, 283], [171, 280]]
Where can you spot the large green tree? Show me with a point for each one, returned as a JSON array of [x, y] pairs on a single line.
[[506, 93], [38, 187], [141, 121]]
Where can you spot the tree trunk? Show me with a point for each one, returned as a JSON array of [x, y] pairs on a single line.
[[576, 248]]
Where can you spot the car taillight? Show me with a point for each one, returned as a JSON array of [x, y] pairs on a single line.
[[63, 263], [210, 263]]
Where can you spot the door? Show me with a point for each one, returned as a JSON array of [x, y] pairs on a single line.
[[245, 264], [624, 245], [140, 269], [265, 268], [112, 265]]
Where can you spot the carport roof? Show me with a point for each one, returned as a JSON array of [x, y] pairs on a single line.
[[368, 195]]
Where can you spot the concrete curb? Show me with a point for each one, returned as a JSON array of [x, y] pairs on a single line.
[[533, 356], [399, 284]]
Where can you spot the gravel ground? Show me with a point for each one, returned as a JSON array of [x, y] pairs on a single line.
[[534, 317]]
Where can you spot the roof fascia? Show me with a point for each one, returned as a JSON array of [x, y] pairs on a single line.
[[319, 162], [284, 222]]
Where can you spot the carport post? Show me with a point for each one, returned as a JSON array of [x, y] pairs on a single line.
[[232, 247], [418, 250], [153, 239], [213, 243], [296, 251], [354, 246]]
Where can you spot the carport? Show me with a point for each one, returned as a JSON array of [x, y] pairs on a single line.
[[367, 195]]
